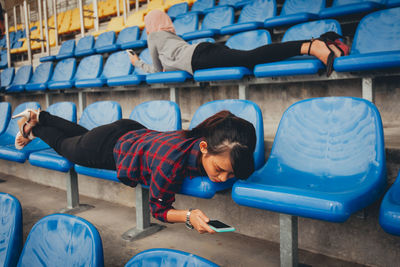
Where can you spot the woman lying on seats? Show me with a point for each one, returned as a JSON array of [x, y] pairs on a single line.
[[170, 52], [221, 147]]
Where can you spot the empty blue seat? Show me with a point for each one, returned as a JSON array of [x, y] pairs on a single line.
[[10, 230], [201, 5], [168, 257], [119, 70], [89, 71], [7, 76], [241, 41], [326, 163], [300, 65], [389, 216], [85, 46], [7, 139], [94, 115], [21, 78], [105, 43], [296, 11], [63, 74], [203, 187], [393, 3], [233, 3], [5, 116], [62, 240], [186, 23], [212, 23], [67, 50], [376, 44], [40, 77], [142, 42], [350, 7], [128, 37], [200, 40], [178, 9], [252, 16], [3, 59]]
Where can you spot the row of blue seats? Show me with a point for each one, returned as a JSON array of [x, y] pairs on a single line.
[[67, 240], [376, 46], [327, 161]]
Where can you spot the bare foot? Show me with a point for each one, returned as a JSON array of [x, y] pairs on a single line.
[[22, 141], [318, 49]]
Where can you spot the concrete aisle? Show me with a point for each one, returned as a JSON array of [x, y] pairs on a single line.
[[112, 220]]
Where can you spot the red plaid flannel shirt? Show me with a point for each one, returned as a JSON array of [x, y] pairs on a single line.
[[159, 160]]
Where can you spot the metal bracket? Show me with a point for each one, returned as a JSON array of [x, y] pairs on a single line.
[[288, 240]]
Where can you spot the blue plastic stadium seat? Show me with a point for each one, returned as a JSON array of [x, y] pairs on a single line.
[[178, 9], [252, 16], [89, 71], [160, 115], [10, 230], [393, 3], [94, 115], [40, 77], [241, 41], [128, 37], [21, 78], [296, 11], [85, 46], [376, 44], [62, 240], [5, 116], [7, 139], [63, 74], [119, 71], [67, 50], [47, 58], [201, 40], [389, 216], [350, 7], [105, 43], [300, 65], [168, 257], [212, 23], [7, 76], [327, 161], [142, 42], [200, 6], [3, 59], [186, 23], [233, 3]]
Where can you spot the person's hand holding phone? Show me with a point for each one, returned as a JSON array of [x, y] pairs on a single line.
[[199, 221], [132, 56]]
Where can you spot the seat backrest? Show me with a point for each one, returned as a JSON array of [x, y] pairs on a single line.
[[10, 230], [4, 59], [299, 6], [23, 75], [349, 2], [201, 5], [7, 76], [129, 34], [244, 109], [5, 116], [62, 240], [258, 10], [143, 36], [218, 18], [9, 135], [117, 64], [378, 32], [67, 47], [178, 9], [42, 73], [64, 70], [104, 39], [168, 257], [249, 40], [186, 23], [228, 2], [201, 40], [329, 137], [159, 115], [89, 68], [100, 113], [146, 58], [311, 29], [84, 43]]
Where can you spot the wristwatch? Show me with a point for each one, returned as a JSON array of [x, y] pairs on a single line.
[[187, 223]]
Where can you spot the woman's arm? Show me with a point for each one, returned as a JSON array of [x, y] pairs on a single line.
[[197, 218]]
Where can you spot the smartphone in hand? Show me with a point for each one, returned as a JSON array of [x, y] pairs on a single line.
[[220, 227], [130, 51]]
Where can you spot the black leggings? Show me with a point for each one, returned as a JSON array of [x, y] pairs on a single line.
[[211, 55], [92, 148]]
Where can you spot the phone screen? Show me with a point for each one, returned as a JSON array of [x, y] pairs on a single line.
[[217, 224]]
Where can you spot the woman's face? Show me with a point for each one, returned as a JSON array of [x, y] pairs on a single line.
[[218, 167]]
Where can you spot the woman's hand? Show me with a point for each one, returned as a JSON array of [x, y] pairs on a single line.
[[199, 221], [133, 58]]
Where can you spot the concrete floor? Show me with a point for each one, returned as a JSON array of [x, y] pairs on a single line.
[[112, 220]]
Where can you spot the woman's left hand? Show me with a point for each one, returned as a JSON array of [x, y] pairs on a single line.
[[133, 58]]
